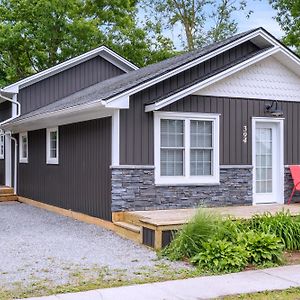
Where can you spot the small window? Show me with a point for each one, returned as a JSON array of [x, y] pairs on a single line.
[[52, 145], [23, 141], [2, 138], [186, 148]]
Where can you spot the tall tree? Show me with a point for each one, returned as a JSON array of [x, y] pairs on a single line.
[[288, 17], [202, 21], [37, 34]]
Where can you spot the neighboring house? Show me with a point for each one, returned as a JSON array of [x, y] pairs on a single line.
[[97, 135]]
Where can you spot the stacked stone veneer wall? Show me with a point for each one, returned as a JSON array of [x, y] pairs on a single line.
[[133, 188]]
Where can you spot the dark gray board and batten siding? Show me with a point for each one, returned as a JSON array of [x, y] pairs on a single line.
[[2, 172], [82, 180], [234, 114], [136, 134], [66, 83], [5, 111]]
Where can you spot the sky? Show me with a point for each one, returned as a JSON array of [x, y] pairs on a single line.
[[262, 16]]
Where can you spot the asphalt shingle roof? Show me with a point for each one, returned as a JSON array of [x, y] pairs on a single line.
[[116, 85]]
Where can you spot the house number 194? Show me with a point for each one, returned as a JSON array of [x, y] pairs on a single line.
[[245, 134]]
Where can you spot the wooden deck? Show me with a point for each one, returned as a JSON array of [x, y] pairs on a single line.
[[154, 228]]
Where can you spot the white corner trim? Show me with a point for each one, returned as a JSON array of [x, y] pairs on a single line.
[[8, 166], [115, 145], [196, 87], [186, 178], [23, 159], [52, 160], [103, 51]]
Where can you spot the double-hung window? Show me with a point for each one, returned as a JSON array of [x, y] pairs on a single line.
[[52, 145], [186, 148], [23, 148], [2, 138]]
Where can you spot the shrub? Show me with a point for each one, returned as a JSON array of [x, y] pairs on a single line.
[[262, 248], [189, 240], [282, 224], [221, 256]]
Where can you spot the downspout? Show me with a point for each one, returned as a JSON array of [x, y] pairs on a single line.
[[16, 158], [9, 134]]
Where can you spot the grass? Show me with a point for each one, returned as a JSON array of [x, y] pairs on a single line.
[[289, 294], [105, 279]]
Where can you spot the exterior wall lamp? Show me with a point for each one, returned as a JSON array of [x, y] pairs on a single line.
[[273, 109]]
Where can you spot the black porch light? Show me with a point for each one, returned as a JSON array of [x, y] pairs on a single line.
[[273, 109]]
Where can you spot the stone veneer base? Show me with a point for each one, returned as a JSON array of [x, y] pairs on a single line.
[[134, 189]]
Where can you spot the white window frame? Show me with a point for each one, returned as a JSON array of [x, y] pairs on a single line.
[[23, 159], [186, 179], [52, 160]]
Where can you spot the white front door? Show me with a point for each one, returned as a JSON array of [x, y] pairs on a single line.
[[268, 162]]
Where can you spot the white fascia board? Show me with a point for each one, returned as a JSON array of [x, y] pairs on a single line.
[[187, 66], [102, 51], [121, 102], [211, 80]]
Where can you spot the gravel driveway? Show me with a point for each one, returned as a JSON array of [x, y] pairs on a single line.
[[37, 245]]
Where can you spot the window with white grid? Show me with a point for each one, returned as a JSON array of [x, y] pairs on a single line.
[[52, 145], [186, 148], [23, 149]]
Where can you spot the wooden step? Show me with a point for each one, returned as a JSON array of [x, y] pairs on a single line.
[[11, 197], [131, 217], [4, 190], [128, 226]]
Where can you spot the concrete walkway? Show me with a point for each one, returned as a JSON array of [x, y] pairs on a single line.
[[197, 288]]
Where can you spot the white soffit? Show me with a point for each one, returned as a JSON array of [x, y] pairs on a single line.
[[266, 79]]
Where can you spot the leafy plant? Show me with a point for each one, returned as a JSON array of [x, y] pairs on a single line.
[[262, 248], [189, 240], [221, 256], [282, 224]]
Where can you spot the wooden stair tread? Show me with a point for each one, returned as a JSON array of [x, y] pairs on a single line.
[[128, 226]]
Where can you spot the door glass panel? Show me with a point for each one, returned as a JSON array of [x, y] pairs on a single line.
[[263, 140]]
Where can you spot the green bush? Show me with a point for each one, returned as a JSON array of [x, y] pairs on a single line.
[[282, 224], [262, 248], [221, 256], [189, 240]]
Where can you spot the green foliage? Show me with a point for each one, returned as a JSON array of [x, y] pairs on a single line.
[[282, 225], [288, 12], [262, 248], [221, 256], [201, 21], [189, 240], [37, 34]]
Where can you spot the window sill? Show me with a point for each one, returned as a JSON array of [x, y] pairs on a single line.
[[23, 161], [188, 184], [52, 162]]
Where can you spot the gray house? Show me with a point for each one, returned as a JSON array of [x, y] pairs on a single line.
[[216, 126]]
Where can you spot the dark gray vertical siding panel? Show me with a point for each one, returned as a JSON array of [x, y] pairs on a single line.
[[131, 141], [2, 171], [67, 82], [5, 111], [82, 180]]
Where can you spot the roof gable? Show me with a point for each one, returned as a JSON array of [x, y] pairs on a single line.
[[102, 51], [267, 79]]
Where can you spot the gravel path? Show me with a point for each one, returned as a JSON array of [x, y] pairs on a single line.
[[37, 245]]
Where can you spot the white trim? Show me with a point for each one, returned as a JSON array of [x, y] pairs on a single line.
[[52, 160], [103, 51], [21, 145], [2, 146], [115, 145], [280, 122], [132, 167], [196, 87], [187, 179], [8, 181]]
